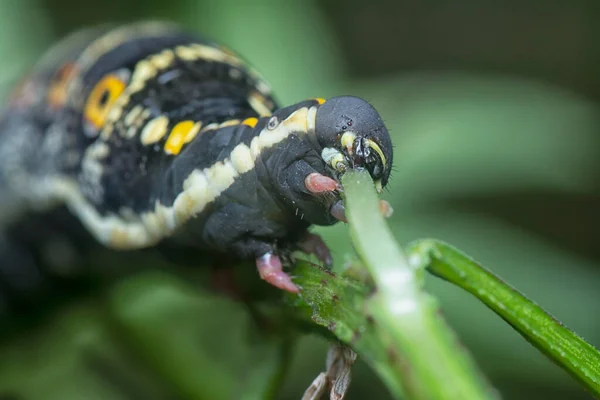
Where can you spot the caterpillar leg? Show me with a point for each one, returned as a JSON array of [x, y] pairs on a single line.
[[312, 243], [270, 269], [317, 183], [242, 231], [338, 211]]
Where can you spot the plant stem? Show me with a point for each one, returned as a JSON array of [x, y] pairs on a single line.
[[434, 365], [559, 343]]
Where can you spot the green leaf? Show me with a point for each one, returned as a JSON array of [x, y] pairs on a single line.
[[550, 336]]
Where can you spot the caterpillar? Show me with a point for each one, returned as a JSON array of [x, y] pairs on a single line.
[[131, 137]]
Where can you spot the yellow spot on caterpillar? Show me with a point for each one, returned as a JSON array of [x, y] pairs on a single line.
[[251, 122], [231, 122], [320, 100], [259, 104], [177, 137], [193, 132], [154, 130]]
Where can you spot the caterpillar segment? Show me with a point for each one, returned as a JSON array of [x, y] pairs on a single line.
[[150, 135]]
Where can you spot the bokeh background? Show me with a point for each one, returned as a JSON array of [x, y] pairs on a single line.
[[493, 107]]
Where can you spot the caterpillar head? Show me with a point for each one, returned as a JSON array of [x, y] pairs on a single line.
[[353, 135]]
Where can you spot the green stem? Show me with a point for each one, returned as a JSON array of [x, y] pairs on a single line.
[[433, 364], [559, 343]]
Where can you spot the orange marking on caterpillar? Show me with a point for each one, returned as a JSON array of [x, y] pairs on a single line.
[[57, 92]]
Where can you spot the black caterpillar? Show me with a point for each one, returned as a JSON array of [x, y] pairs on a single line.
[[148, 135]]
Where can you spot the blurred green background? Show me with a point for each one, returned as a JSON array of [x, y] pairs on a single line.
[[493, 111]]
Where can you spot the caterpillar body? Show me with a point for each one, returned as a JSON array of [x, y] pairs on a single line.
[[132, 137]]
